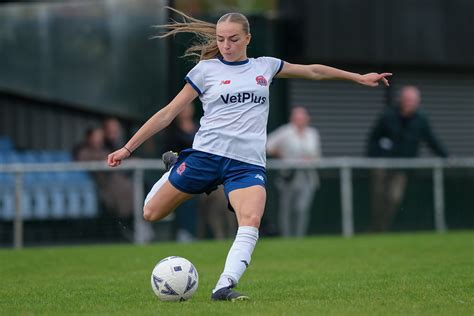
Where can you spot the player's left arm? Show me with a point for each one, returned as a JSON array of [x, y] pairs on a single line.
[[322, 72]]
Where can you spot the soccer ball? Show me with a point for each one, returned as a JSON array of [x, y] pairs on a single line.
[[174, 279]]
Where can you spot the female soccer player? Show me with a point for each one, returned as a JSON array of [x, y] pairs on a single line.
[[229, 147]]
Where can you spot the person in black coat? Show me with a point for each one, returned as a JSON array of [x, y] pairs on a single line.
[[397, 133]]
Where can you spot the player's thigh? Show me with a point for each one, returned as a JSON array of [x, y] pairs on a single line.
[[249, 204], [163, 202]]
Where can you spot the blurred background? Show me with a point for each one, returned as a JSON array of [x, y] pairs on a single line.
[[77, 78]]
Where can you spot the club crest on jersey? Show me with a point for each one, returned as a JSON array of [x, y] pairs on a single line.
[[261, 81], [225, 82], [181, 168]]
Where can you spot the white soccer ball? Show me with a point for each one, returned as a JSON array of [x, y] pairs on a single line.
[[174, 279]]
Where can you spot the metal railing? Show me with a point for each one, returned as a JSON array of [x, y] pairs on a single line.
[[344, 165]]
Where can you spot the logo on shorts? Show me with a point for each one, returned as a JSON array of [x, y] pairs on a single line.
[[181, 168], [261, 80], [260, 177]]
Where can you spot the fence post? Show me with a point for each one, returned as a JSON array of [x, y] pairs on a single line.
[[438, 199], [346, 202], [139, 225], [18, 222]]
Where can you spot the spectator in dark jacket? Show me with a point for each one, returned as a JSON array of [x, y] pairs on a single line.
[[115, 190], [113, 134], [397, 134]]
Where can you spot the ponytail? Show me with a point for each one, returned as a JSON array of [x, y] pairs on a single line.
[[206, 46]]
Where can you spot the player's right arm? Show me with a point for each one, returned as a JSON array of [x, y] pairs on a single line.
[[156, 123]]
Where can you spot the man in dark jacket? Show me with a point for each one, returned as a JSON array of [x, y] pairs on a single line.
[[397, 134]]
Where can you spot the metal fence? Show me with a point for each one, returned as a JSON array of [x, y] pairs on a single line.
[[344, 165]]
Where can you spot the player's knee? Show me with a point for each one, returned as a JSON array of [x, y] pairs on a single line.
[[251, 220], [148, 214]]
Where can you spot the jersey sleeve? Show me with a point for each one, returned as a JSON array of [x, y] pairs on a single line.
[[195, 78], [274, 64]]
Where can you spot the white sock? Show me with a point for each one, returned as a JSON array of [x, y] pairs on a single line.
[[238, 257], [157, 186]]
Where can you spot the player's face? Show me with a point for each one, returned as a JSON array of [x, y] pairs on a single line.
[[232, 41]]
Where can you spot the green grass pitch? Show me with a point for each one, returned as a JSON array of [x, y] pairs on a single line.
[[404, 274]]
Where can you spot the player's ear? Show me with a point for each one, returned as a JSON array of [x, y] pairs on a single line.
[[249, 37]]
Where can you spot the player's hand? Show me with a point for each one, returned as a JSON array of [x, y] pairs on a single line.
[[115, 158], [372, 79]]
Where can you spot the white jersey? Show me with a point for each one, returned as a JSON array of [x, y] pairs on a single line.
[[235, 99]]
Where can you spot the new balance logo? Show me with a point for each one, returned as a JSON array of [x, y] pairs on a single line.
[[225, 82], [260, 177], [245, 262]]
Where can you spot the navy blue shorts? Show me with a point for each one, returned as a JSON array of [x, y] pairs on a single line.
[[200, 172]]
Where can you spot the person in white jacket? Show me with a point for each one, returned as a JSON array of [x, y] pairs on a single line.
[[295, 141]]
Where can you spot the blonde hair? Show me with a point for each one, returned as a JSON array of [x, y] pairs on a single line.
[[206, 45]]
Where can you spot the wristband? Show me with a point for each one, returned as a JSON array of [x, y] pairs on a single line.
[[128, 150]]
